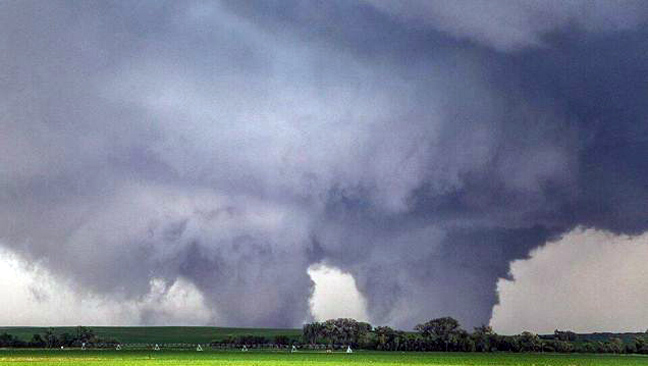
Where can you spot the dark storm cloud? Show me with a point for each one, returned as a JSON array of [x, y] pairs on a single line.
[[514, 24], [234, 144]]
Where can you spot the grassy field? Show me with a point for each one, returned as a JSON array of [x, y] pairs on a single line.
[[160, 334], [260, 358]]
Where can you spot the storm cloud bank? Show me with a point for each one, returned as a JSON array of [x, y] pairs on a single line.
[[589, 281], [420, 147]]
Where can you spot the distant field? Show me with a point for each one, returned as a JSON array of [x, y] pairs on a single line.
[[160, 334], [232, 358]]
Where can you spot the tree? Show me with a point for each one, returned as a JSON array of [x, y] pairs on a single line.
[[464, 342], [281, 340], [444, 330], [560, 346], [50, 338], [310, 332], [485, 338], [66, 339], [8, 340], [343, 330], [509, 343], [529, 342], [616, 345], [641, 344], [85, 335], [567, 336], [37, 341]]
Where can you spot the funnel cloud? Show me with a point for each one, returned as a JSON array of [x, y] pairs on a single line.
[[228, 146]]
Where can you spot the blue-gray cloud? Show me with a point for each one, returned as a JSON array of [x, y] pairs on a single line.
[[234, 144]]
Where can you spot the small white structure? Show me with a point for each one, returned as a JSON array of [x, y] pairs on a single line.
[[349, 350], [118, 348], [157, 347], [61, 347], [293, 349], [83, 346], [244, 349], [199, 348]]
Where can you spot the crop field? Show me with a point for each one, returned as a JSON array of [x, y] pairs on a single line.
[[268, 358]]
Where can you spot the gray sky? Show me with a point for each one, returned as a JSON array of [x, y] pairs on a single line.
[[219, 149]]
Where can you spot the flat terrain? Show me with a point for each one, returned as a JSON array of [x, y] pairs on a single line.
[[160, 334], [261, 358]]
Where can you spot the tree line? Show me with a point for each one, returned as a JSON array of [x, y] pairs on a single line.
[[82, 336], [438, 335], [279, 340], [446, 335]]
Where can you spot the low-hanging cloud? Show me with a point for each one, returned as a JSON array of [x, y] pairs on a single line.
[[36, 298], [589, 281], [233, 145]]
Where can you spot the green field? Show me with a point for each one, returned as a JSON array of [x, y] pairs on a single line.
[[159, 334], [266, 358]]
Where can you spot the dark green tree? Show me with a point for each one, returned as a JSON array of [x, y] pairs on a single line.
[[445, 330], [529, 342], [50, 338], [567, 336], [485, 338], [281, 340], [37, 341]]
